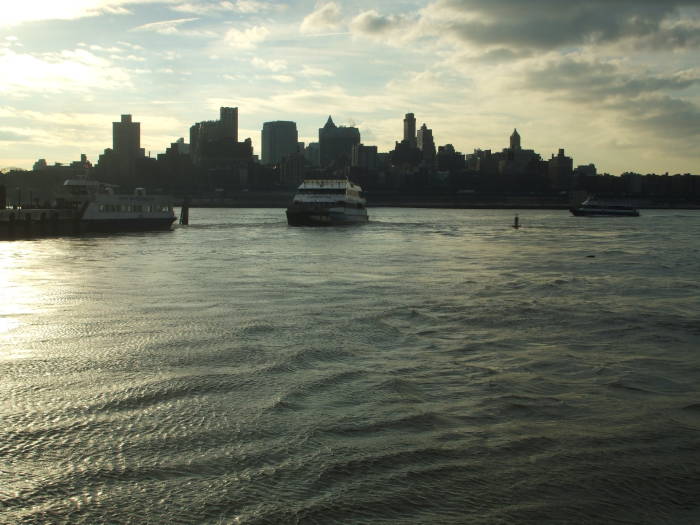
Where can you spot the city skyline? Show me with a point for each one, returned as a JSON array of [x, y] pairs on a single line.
[[614, 83]]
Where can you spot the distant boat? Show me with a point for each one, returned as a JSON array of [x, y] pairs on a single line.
[[327, 202], [593, 208]]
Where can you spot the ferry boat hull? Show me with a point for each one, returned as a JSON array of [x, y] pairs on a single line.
[[305, 216], [602, 212]]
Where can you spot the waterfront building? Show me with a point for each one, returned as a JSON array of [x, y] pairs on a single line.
[[560, 170], [279, 139], [426, 143], [312, 154], [336, 142], [515, 141], [364, 157], [126, 138], [409, 129], [224, 130]]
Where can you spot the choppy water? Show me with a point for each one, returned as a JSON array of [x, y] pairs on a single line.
[[433, 366]]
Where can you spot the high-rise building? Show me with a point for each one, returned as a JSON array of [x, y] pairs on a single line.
[[426, 144], [228, 119], [515, 141], [312, 154], [224, 130], [126, 138], [279, 140], [409, 129], [364, 156], [336, 143]]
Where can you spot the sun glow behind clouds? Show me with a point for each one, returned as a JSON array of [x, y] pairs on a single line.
[[78, 70], [32, 10]]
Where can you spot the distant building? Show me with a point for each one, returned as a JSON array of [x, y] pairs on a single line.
[[220, 160], [560, 169], [279, 140], [336, 144], [123, 163], [409, 129], [426, 144], [449, 160], [364, 157], [126, 138], [515, 141], [312, 154], [224, 130]]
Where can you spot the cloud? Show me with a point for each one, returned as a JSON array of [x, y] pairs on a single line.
[[309, 71], [553, 24], [239, 6], [67, 71], [246, 39], [169, 27], [326, 17], [35, 10], [269, 65], [638, 99], [371, 23], [8, 135], [587, 79]]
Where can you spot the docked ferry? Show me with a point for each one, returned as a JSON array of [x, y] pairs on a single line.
[[592, 207], [327, 202], [88, 206], [103, 210]]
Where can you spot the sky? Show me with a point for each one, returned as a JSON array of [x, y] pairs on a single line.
[[614, 82]]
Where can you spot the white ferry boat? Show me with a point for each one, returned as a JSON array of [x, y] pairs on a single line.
[[100, 209], [327, 202], [592, 207]]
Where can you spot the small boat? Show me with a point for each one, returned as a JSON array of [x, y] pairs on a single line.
[[327, 202], [593, 208]]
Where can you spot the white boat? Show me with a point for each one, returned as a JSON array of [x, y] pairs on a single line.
[[100, 209], [327, 202], [592, 207]]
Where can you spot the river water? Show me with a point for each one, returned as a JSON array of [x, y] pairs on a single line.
[[430, 367]]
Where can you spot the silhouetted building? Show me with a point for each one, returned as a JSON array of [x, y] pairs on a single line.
[[515, 140], [126, 138], [221, 162], [560, 169], [224, 130], [364, 156], [449, 160], [312, 154], [426, 144], [175, 169], [279, 140], [292, 169], [409, 129], [336, 144]]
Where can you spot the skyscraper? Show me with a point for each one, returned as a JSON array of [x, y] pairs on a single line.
[[515, 141], [426, 144], [336, 143], [229, 123], [126, 137], [279, 140], [224, 130], [409, 129]]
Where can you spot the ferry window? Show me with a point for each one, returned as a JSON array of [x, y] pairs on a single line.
[[138, 208], [102, 207]]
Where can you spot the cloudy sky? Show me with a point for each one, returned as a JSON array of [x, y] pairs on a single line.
[[615, 82]]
